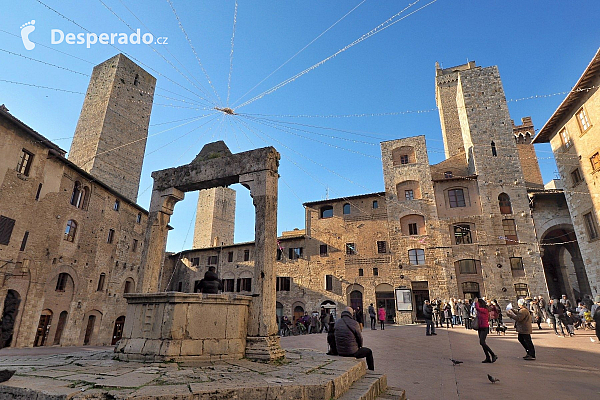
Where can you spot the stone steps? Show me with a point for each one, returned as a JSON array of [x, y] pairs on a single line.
[[392, 393], [369, 387]]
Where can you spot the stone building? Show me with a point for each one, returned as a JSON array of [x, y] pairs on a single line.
[[71, 235], [574, 135]]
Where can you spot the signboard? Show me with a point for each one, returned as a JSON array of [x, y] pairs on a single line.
[[404, 300]]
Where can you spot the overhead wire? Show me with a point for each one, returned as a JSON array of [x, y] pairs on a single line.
[[231, 53]]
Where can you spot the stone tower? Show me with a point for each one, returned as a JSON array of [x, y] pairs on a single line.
[[215, 218], [110, 138], [529, 163]]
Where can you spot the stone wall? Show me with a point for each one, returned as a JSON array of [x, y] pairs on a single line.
[[215, 217]]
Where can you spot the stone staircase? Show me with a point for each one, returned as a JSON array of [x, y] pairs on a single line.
[[372, 386]]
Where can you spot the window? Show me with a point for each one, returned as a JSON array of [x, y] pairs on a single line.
[[279, 255], [230, 256], [381, 246], [39, 191], [228, 285], [24, 164], [195, 261], [361, 272], [323, 250], [24, 241], [346, 209], [101, 282], [403, 155], [448, 174], [246, 255], [504, 203], [413, 229], [295, 253], [595, 160], [516, 267], [576, 176], [326, 211], [375, 204], [584, 122], [128, 286], [70, 230], [494, 152], [180, 286], [350, 249], [404, 159], [375, 271], [456, 197], [521, 289], [6, 228], [76, 195], [212, 260], [117, 205], [591, 226], [111, 236], [136, 80], [138, 219], [566, 139], [244, 284], [409, 194], [416, 256], [283, 284], [467, 267], [510, 231], [462, 234], [61, 282], [329, 283]]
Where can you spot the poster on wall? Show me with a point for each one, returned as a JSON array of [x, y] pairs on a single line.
[[404, 300]]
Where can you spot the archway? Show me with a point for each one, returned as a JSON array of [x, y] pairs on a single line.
[[8, 317], [62, 320], [384, 297], [563, 266], [298, 312], [330, 307], [41, 334], [118, 330]]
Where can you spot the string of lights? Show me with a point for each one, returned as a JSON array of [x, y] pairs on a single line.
[[231, 53]]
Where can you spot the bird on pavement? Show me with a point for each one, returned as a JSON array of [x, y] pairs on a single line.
[[456, 362], [492, 379]]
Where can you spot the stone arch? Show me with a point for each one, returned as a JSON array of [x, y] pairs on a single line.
[[43, 330], [354, 294], [60, 327], [403, 155], [408, 190], [10, 312], [92, 320], [128, 286], [118, 330], [298, 309], [409, 222]]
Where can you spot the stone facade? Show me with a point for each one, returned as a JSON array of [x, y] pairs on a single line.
[[574, 134], [71, 245], [110, 138], [215, 217]]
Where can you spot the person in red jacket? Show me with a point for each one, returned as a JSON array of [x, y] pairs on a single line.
[[381, 314], [483, 317]]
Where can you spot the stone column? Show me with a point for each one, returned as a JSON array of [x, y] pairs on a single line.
[[155, 243], [262, 342], [582, 278]]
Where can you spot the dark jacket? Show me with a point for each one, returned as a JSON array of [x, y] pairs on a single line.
[[211, 283], [372, 313], [348, 338], [427, 311], [557, 308]]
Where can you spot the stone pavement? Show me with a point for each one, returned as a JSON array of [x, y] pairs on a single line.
[[83, 373], [566, 368]]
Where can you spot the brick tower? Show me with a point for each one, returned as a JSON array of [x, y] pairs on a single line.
[[110, 138], [215, 218]]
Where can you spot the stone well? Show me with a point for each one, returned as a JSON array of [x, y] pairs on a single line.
[[174, 326]]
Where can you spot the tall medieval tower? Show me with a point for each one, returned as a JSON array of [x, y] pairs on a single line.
[[215, 218], [110, 138]]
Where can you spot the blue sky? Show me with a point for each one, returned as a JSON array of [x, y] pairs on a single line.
[[540, 47]]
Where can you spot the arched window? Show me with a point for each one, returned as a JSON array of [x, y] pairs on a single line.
[[77, 194], [85, 198], [403, 155], [101, 282], [504, 203], [326, 211], [129, 286], [136, 80], [346, 209], [494, 153], [70, 230]]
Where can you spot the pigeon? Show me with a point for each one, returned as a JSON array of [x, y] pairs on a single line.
[[592, 340], [456, 362], [492, 379]]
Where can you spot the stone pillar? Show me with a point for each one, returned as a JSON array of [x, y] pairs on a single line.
[[155, 243], [263, 342], [582, 279]]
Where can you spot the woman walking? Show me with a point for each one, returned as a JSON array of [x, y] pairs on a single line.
[[483, 317], [448, 315], [381, 315]]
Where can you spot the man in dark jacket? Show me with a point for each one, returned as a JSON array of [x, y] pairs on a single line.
[[373, 317], [348, 338], [428, 315], [557, 309], [211, 282]]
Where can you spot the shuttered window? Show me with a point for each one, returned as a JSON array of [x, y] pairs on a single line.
[[6, 228]]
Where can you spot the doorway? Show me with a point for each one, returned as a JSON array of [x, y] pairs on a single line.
[[384, 297], [118, 331], [298, 313], [89, 330], [8, 318], [62, 320], [470, 290], [41, 334], [420, 294], [356, 299]]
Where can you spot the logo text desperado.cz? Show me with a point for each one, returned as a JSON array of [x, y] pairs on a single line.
[[57, 36]]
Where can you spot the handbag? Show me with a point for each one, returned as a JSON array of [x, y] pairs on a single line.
[[475, 322]]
